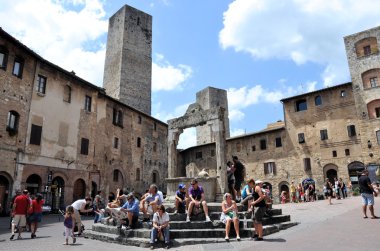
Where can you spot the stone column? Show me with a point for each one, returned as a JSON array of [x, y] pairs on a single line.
[[220, 153], [173, 138]]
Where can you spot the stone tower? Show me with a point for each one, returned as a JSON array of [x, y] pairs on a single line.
[[364, 63], [128, 64], [208, 98]]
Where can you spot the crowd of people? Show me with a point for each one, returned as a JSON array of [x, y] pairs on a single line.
[[123, 209]]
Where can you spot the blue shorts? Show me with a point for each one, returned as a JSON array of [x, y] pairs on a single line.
[[367, 199], [35, 217]]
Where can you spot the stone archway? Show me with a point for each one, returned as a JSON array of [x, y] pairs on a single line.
[[58, 194], [33, 184], [5, 188], [330, 171], [354, 171], [284, 186], [79, 191]]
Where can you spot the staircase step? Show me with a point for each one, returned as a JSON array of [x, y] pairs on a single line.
[[143, 241]]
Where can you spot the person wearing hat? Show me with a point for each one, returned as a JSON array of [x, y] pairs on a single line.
[[259, 210], [181, 199], [132, 209]]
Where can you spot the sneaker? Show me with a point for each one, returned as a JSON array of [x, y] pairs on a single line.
[[128, 228], [187, 219], [74, 240], [208, 219], [12, 236]]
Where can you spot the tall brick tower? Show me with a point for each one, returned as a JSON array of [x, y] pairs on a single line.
[[363, 54], [208, 98], [128, 64]]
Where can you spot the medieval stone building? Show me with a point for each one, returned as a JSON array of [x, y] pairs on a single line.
[[67, 138], [328, 133]]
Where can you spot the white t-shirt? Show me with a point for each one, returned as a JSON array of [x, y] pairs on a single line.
[[161, 196], [160, 220], [78, 204]]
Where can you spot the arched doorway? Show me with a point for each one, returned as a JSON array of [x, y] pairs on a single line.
[[4, 193], [79, 190], [33, 184], [284, 186], [354, 171], [330, 171], [58, 194]]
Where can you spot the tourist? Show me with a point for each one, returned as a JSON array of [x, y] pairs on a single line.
[[328, 190], [311, 192], [343, 188], [160, 229], [150, 203], [230, 214], [231, 179], [80, 206], [181, 199], [367, 192], [69, 223], [19, 211], [239, 174], [36, 214], [114, 201], [132, 209], [18, 192], [98, 206], [247, 193], [198, 201], [292, 192], [300, 192], [337, 187], [259, 210]]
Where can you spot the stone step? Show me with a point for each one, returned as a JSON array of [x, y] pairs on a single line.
[[189, 240], [194, 224]]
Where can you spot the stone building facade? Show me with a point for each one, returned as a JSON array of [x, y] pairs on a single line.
[[328, 133], [67, 138]]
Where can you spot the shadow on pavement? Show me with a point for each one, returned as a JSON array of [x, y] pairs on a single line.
[[274, 240]]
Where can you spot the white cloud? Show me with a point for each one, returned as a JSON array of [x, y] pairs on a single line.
[[178, 111], [237, 132], [61, 35], [168, 77], [298, 30], [187, 139]]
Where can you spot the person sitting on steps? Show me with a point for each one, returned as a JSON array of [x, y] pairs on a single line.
[[181, 199], [197, 201]]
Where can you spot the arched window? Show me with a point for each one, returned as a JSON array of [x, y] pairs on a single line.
[[318, 100], [371, 78], [13, 121], [367, 46], [301, 105], [373, 108]]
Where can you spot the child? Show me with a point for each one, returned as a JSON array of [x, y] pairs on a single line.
[[69, 224], [181, 199]]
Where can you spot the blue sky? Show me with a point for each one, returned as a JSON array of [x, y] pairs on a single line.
[[258, 50]]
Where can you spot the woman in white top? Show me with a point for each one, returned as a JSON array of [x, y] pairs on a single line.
[[230, 214], [80, 206], [160, 227]]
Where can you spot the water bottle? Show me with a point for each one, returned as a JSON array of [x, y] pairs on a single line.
[[245, 222]]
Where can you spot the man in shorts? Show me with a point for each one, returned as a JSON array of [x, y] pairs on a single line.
[[367, 193], [132, 209], [19, 210], [197, 200], [259, 210]]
